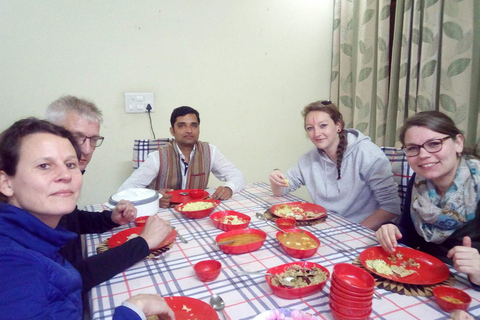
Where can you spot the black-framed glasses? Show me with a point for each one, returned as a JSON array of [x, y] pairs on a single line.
[[432, 146], [95, 141], [326, 102]]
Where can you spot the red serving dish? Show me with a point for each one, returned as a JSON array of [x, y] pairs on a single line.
[[348, 302], [353, 278], [219, 215], [454, 293], [337, 315], [199, 213], [350, 311], [285, 223], [296, 293], [347, 294], [299, 253], [241, 248], [207, 270], [140, 221]]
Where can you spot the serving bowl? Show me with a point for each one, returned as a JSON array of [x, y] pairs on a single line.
[[350, 311], [207, 270], [348, 301], [296, 293], [353, 278], [440, 293], [347, 294], [285, 223], [144, 200], [140, 221], [217, 219], [244, 248], [298, 253], [197, 214], [196, 194]]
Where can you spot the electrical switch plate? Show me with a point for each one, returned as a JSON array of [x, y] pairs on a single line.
[[137, 102]]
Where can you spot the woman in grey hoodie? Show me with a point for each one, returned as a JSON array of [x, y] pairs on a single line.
[[346, 172]]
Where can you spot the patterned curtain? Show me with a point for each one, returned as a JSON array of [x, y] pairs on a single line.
[[360, 64], [433, 66]]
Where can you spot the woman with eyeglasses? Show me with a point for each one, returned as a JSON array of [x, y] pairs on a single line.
[[346, 172], [40, 181], [441, 215]]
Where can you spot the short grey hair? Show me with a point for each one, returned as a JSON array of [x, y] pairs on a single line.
[[57, 111]]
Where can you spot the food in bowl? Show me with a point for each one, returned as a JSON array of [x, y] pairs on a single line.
[[295, 212], [243, 248], [298, 240], [233, 220], [197, 206], [242, 239], [302, 277], [449, 298], [230, 220]]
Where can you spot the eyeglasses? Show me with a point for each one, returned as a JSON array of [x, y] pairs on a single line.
[[326, 102], [432, 146], [95, 141]]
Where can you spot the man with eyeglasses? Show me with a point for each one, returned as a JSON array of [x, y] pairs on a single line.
[[83, 119]]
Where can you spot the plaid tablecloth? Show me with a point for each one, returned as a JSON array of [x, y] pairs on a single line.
[[249, 295]]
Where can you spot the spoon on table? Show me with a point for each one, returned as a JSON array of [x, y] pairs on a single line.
[[262, 217], [287, 281], [217, 303]]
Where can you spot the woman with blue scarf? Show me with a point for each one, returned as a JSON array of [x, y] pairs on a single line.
[[441, 215]]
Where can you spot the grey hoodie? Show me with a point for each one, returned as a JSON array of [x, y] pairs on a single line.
[[366, 182]]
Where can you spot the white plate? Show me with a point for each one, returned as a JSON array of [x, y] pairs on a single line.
[[286, 314]]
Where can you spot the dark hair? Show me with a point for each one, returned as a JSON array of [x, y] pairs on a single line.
[[11, 140], [329, 108], [435, 121], [182, 111]]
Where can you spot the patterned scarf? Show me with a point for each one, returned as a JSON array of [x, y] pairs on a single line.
[[170, 172], [436, 218]]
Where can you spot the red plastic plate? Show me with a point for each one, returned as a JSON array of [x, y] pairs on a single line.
[[431, 270], [179, 198], [121, 237], [186, 308], [300, 208]]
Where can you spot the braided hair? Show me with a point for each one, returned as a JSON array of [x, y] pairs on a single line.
[[329, 108]]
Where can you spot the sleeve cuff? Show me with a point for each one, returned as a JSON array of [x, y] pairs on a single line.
[[137, 310]]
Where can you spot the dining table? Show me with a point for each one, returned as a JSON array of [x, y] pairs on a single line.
[[246, 296]]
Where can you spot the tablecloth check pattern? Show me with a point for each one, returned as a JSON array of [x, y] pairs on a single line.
[[246, 296]]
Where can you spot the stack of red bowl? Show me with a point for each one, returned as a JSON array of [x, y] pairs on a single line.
[[351, 292]]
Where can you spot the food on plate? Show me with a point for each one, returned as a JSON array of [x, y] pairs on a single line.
[[196, 206], [234, 220], [303, 277], [296, 212], [242, 239], [132, 236], [452, 299], [298, 240], [399, 270], [287, 182]]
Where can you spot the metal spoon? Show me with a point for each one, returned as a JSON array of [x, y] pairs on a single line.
[[183, 193], [180, 236], [217, 303], [287, 281]]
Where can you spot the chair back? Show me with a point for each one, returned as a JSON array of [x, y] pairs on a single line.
[[400, 168], [141, 149]]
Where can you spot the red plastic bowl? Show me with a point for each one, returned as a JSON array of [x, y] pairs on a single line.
[[207, 270], [197, 214], [341, 316], [298, 253], [348, 302], [196, 194], [349, 311], [353, 278], [347, 293], [218, 216], [447, 306], [296, 293], [242, 248], [285, 223]]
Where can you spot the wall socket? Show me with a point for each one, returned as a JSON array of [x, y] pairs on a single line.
[[137, 102]]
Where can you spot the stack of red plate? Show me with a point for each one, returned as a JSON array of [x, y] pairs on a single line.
[[351, 292]]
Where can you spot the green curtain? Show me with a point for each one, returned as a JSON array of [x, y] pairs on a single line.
[[360, 64], [433, 66]]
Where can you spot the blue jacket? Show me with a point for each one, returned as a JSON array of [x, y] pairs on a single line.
[[37, 283]]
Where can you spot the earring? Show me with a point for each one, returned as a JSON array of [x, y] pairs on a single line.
[[459, 154]]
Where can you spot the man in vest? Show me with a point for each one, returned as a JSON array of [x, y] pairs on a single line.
[[186, 163]]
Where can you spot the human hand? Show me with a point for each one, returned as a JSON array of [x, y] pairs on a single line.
[[387, 235], [222, 193], [166, 197], [155, 231], [124, 212], [466, 259], [153, 305], [277, 178]]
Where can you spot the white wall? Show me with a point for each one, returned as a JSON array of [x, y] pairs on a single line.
[[248, 67]]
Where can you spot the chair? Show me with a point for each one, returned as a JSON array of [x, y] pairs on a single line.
[[141, 149], [400, 168]]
